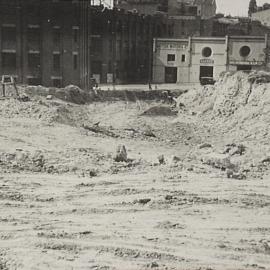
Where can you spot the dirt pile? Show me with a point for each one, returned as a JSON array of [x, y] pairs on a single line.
[[232, 92], [39, 109], [160, 111], [70, 93], [236, 110]]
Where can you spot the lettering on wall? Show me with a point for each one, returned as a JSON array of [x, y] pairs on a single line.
[[207, 61]]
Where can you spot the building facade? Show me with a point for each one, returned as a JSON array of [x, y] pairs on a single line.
[[188, 60], [147, 7], [56, 42], [185, 16], [263, 16]]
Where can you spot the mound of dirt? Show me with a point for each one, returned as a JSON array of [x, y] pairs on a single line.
[[235, 110], [70, 93], [160, 111]]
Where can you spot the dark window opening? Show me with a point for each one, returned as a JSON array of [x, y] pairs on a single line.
[[244, 68], [96, 67], [9, 35], [33, 38], [96, 45], [75, 35], [56, 36], [110, 66], [171, 57], [183, 59], [206, 72], [244, 51], [9, 61], [170, 74], [57, 83], [56, 62], [110, 45], [206, 52], [75, 61], [34, 81], [34, 60]]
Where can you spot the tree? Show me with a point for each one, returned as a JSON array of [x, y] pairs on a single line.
[[252, 7]]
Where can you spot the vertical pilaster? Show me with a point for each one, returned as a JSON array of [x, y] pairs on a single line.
[[1, 22], [46, 44], [67, 33], [19, 42]]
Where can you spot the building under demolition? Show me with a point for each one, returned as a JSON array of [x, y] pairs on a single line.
[[189, 60], [56, 42]]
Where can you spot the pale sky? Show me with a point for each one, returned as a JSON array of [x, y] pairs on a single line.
[[236, 7]]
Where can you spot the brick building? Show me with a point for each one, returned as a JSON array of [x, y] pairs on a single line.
[[61, 42]]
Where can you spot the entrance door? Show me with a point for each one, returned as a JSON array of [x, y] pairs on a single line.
[[170, 74], [206, 71]]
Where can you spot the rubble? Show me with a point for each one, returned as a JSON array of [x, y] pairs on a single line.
[[160, 111], [161, 159], [121, 154], [219, 161]]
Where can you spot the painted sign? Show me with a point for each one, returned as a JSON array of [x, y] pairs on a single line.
[[207, 61], [251, 63]]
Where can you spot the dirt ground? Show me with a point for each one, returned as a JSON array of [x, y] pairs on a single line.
[[66, 204]]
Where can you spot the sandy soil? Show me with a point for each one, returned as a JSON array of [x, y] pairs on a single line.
[[66, 204]]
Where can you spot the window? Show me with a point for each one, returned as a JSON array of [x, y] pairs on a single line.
[[206, 52], [57, 82], [33, 60], [170, 57], [56, 36], [34, 81], [75, 61], [75, 35], [9, 61], [183, 58], [9, 34], [56, 62], [244, 51], [110, 66], [110, 45], [96, 45]]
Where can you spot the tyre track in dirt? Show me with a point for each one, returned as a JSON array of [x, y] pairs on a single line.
[[103, 225]]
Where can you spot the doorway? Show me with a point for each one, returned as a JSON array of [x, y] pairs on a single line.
[[170, 74], [206, 71]]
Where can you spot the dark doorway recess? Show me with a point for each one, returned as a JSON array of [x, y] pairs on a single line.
[[170, 74]]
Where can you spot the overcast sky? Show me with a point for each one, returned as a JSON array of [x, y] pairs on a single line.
[[236, 7]]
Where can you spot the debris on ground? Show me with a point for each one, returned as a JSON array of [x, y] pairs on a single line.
[[160, 111], [161, 159], [61, 183], [121, 154], [102, 130]]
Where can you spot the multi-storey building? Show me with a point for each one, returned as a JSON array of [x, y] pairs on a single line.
[[61, 42], [185, 16]]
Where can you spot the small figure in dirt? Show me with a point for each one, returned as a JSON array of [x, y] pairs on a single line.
[[149, 86]]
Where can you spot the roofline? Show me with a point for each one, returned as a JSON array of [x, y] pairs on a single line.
[[211, 38], [171, 39]]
